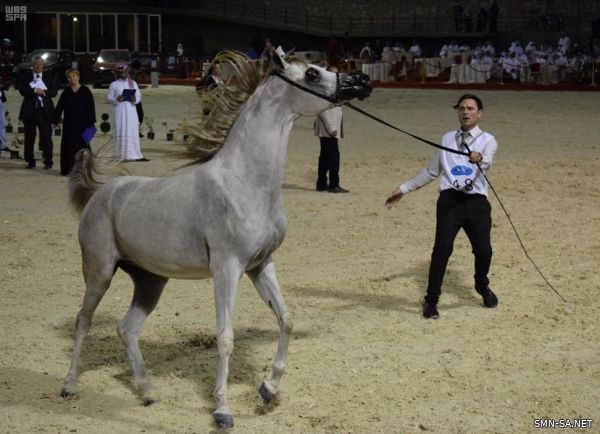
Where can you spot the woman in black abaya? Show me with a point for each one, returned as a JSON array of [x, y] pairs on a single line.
[[77, 103]]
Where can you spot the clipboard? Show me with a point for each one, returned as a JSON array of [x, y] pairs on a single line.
[[128, 94], [88, 134]]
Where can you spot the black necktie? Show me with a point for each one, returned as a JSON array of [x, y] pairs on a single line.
[[37, 76]]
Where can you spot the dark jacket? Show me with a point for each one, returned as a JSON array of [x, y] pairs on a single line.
[[206, 82], [30, 99]]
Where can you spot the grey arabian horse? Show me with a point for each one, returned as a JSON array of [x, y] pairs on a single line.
[[222, 219]]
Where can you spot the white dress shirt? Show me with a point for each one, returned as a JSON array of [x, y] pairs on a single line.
[[456, 170]]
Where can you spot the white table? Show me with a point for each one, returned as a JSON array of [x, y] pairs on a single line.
[[479, 73], [377, 71], [435, 65]]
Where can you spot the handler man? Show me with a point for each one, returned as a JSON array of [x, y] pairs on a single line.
[[462, 202]]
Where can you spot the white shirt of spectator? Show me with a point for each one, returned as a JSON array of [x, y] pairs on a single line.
[[38, 83]]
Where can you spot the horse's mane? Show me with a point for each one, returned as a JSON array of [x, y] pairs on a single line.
[[221, 105]]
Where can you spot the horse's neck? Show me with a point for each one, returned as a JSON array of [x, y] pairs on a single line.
[[257, 143]]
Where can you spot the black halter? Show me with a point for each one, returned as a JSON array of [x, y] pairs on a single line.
[[332, 100]]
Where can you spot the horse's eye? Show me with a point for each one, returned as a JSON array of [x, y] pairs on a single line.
[[313, 75]]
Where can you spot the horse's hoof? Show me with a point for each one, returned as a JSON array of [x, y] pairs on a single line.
[[149, 401], [266, 394], [68, 393], [223, 420]]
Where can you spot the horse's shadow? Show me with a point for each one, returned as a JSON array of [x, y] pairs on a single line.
[[27, 388], [190, 355]]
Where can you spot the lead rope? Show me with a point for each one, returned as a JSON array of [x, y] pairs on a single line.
[[334, 100], [381, 121]]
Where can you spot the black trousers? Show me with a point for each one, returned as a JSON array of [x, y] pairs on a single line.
[[473, 213], [329, 163], [44, 126]]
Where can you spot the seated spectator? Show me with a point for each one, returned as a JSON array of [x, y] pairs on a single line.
[[478, 50], [415, 49], [559, 68], [516, 48], [489, 49], [530, 47], [398, 47], [387, 55], [476, 59], [452, 47], [512, 66], [487, 59], [367, 55], [444, 51], [564, 43]]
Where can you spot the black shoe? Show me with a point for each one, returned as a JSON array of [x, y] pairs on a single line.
[[30, 165], [14, 154], [430, 311], [322, 188], [141, 135], [47, 166], [338, 189], [489, 298], [142, 159]]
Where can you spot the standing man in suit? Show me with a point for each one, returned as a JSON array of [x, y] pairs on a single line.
[[329, 128], [212, 78], [37, 111]]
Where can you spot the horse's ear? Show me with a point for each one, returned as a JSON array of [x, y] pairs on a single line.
[[278, 57]]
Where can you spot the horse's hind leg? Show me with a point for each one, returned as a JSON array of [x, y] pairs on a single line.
[[97, 275], [265, 280], [147, 292]]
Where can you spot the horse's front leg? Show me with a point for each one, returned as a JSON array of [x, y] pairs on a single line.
[[226, 279], [265, 280]]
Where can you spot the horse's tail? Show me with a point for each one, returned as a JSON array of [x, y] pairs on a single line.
[[82, 184]]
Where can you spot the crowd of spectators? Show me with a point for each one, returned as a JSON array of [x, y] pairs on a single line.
[[548, 64], [527, 63]]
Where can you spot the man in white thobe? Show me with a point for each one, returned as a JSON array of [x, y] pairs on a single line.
[[127, 134]]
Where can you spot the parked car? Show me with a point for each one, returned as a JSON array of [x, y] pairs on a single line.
[[103, 70], [7, 56], [56, 62], [6, 74]]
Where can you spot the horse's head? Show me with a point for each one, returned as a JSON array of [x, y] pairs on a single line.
[[314, 88]]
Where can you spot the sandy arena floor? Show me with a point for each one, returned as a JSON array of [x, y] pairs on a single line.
[[361, 358]]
